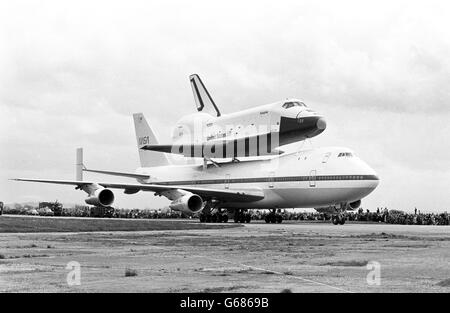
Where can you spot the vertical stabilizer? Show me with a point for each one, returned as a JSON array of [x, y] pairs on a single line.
[[145, 136], [203, 99], [79, 165]]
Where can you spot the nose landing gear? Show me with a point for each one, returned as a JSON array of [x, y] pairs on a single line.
[[338, 219]]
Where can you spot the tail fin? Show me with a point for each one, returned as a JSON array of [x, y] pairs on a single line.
[[201, 95], [145, 136], [79, 165]]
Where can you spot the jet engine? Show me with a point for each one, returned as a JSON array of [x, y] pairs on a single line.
[[101, 197], [188, 203], [354, 205]]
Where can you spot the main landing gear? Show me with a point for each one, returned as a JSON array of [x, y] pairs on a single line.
[[213, 216], [338, 219], [273, 217], [242, 216]]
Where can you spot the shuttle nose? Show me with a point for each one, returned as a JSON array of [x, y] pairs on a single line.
[[305, 124], [321, 124]]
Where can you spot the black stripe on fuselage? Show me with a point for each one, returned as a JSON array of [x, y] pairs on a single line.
[[268, 179]]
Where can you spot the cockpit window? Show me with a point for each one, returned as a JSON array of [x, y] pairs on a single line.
[[291, 104], [345, 154]]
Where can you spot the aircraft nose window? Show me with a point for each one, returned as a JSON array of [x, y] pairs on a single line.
[[345, 154], [291, 104]]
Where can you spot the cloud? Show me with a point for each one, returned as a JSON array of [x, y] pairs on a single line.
[[72, 73]]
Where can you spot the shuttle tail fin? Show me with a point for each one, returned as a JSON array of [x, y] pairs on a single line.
[[145, 136], [203, 99]]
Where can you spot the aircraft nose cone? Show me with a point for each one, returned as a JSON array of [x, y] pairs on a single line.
[[373, 180], [321, 123], [376, 181]]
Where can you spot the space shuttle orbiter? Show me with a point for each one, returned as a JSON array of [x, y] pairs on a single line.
[[257, 131]]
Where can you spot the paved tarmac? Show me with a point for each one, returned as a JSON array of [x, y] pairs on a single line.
[[301, 257]]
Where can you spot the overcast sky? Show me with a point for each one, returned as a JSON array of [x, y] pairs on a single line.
[[73, 72]]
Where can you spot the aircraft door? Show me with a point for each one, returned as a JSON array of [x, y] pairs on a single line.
[[227, 181], [271, 179], [312, 178], [326, 157]]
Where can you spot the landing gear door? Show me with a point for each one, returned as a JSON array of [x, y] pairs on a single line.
[[312, 178]]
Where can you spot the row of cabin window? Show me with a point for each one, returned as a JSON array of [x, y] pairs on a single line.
[[278, 179]]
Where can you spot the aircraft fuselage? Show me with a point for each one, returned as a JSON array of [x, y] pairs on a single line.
[[312, 178]]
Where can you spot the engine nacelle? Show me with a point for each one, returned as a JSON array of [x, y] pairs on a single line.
[[189, 203], [354, 205], [101, 197]]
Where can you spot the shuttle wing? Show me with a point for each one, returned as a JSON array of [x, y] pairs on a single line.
[[260, 145], [244, 195]]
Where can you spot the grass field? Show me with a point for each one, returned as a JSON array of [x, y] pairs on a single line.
[[28, 224]]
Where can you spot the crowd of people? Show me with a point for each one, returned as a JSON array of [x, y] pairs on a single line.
[[381, 215]]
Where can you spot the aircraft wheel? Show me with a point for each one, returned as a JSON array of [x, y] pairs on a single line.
[[267, 219], [342, 220], [225, 218], [334, 219], [248, 218], [279, 219], [202, 218]]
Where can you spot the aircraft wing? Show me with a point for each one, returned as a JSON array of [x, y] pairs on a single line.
[[244, 194]]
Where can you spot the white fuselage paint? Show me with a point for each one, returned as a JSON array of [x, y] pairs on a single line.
[[304, 179]]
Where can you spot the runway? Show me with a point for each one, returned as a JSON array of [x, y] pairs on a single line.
[[299, 257]]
